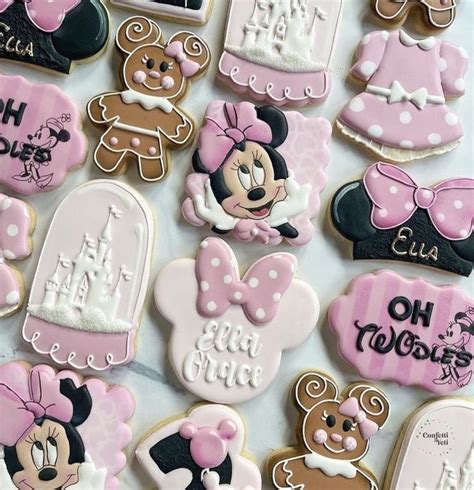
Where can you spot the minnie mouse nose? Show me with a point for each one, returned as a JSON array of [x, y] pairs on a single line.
[[47, 474], [256, 194], [336, 437], [139, 76]]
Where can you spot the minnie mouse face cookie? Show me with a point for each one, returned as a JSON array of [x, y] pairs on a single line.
[[143, 121], [258, 173], [333, 433], [52, 34], [58, 431], [201, 450], [388, 216], [229, 333]]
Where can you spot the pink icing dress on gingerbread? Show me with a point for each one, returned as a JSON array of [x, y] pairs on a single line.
[[403, 115]]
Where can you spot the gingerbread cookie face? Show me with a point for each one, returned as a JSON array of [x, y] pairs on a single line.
[[333, 432], [41, 137], [406, 330], [403, 114], [281, 53], [200, 450], [143, 121], [53, 35], [432, 15], [89, 287], [17, 222], [229, 333], [388, 216], [435, 449], [186, 11], [58, 431], [258, 173]]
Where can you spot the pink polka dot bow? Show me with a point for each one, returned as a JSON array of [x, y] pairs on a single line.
[[396, 197], [259, 291], [351, 408], [188, 67]]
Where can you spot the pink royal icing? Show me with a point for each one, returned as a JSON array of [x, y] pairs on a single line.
[[41, 137], [228, 335], [406, 330]]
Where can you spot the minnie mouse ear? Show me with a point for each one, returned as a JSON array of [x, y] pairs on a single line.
[[84, 32], [465, 248], [227, 429], [187, 430]]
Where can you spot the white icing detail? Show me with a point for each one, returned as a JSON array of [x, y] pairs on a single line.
[[238, 295], [12, 298], [366, 39], [409, 206], [375, 174], [407, 144], [260, 313], [148, 102], [5, 480], [204, 244], [227, 279], [460, 84], [7, 202], [463, 233], [451, 119], [368, 68], [393, 189], [383, 212], [330, 466], [442, 64], [276, 297], [204, 286], [12, 230], [90, 477], [441, 217], [8, 254], [211, 306], [463, 52], [273, 274], [434, 138], [385, 35], [253, 283], [357, 105], [375, 131], [397, 93], [215, 262], [458, 204], [406, 117], [427, 194], [425, 44]]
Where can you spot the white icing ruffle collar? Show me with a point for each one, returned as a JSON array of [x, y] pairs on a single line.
[[329, 466], [425, 44], [148, 102]]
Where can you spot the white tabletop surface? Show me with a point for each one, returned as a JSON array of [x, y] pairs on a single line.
[[324, 262]]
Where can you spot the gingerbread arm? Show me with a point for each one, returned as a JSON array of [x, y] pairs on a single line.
[[179, 128], [100, 108]]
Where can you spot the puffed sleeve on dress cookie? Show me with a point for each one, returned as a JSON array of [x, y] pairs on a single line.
[[454, 62], [369, 54]]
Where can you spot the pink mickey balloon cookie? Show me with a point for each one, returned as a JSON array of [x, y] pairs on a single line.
[[229, 332]]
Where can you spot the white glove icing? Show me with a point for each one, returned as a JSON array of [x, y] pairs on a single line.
[[90, 478], [296, 202]]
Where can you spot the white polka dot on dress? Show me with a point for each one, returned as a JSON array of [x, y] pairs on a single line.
[[227, 279], [406, 144], [366, 39], [357, 105], [460, 84], [434, 138], [211, 306], [12, 298], [451, 119], [463, 52], [442, 64], [276, 297], [375, 131], [7, 202], [406, 117], [8, 254], [204, 286], [368, 68], [260, 313], [12, 230]]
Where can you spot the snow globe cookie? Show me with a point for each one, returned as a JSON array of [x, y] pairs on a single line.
[[258, 173], [90, 284], [280, 52]]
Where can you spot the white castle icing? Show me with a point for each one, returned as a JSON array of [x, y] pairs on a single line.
[[281, 34], [89, 297]]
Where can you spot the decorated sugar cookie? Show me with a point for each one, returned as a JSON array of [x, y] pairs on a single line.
[[388, 216], [281, 51], [59, 431], [53, 35], [333, 432], [40, 135], [406, 330], [143, 121], [201, 450], [435, 448], [403, 114], [432, 15], [17, 221], [258, 173], [229, 332], [90, 284], [186, 11]]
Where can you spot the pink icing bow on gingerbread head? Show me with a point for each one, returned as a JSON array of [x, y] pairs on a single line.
[[217, 141], [18, 415], [396, 197], [351, 408], [46, 16], [188, 67], [259, 292]]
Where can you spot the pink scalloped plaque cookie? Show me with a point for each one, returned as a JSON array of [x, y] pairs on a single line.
[[92, 275], [40, 135], [59, 431], [435, 449], [200, 450], [258, 173], [229, 332], [406, 330], [403, 114], [281, 51], [17, 222]]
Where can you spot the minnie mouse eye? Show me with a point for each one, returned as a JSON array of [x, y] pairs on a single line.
[[150, 64], [164, 66], [244, 177], [37, 454]]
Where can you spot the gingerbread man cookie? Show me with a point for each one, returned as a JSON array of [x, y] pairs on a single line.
[[143, 121], [333, 432]]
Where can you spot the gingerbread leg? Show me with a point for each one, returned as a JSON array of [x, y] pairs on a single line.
[[152, 169], [109, 161]]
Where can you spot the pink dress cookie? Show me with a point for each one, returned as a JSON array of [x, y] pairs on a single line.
[[41, 137], [16, 226], [91, 280], [403, 115], [201, 450], [406, 330], [229, 333], [58, 431], [280, 51], [258, 173]]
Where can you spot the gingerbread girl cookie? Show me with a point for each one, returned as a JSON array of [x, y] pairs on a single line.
[[143, 121], [333, 432]]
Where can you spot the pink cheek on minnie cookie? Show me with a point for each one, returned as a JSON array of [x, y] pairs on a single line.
[[167, 83], [139, 77], [349, 444], [320, 436]]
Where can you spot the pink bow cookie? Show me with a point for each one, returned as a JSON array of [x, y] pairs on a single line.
[[188, 67], [351, 408]]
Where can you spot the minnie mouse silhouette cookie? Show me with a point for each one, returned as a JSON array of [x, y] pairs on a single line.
[[59, 431], [430, 15], [200, 450], [258, 173], [333, 433], [17, 222], [144, 121], [53, 35], [388, 216]]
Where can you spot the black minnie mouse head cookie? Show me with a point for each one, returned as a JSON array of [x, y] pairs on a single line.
[[52, 34], [388, 216]]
